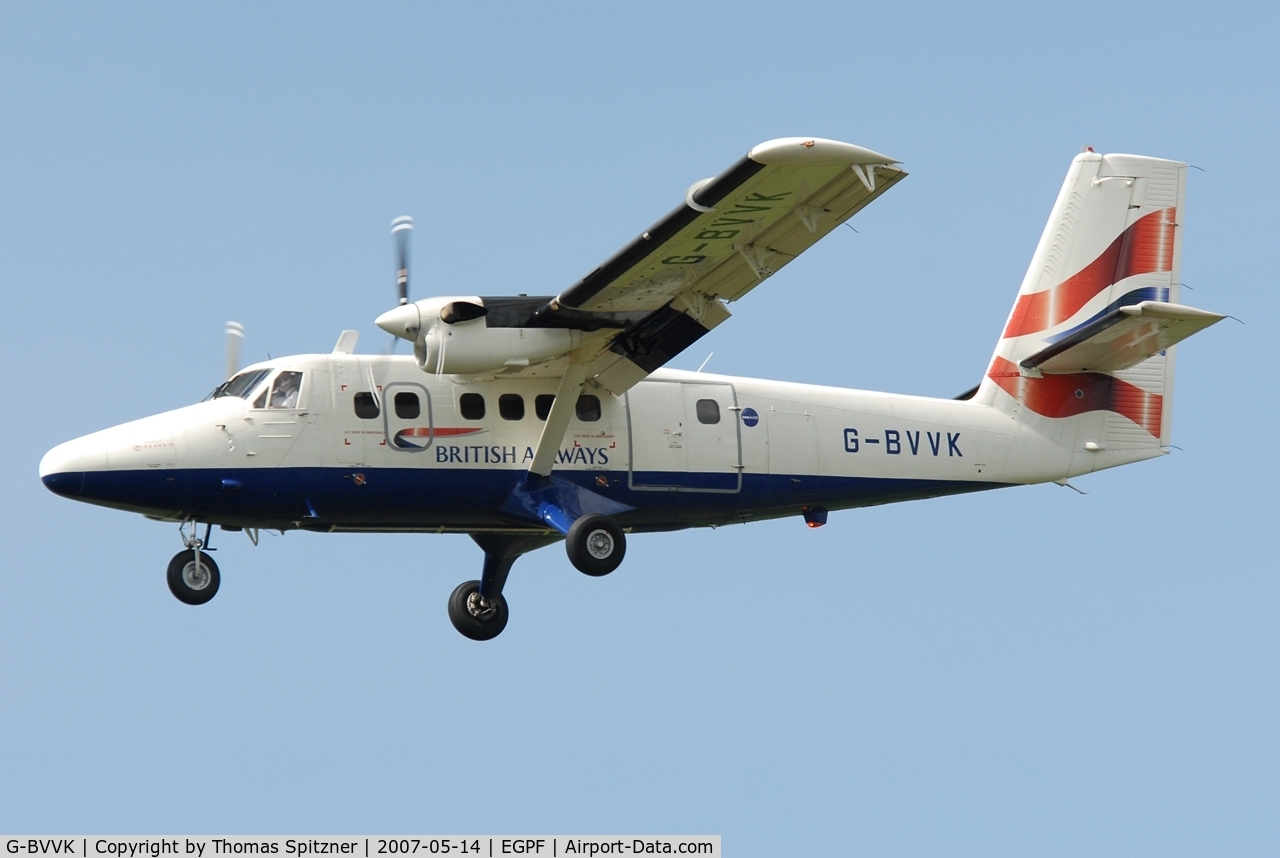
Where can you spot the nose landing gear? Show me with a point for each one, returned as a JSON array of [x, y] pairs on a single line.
[[193, 575]]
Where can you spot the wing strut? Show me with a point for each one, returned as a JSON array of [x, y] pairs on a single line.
[[554, 501], [553, 431]]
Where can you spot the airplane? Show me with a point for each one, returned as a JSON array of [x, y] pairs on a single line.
[[525, 420]]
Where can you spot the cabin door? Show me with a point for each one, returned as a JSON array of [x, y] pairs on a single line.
[[684, 437]]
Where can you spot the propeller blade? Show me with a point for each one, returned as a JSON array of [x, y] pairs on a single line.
[[400, 229], [235, 336]]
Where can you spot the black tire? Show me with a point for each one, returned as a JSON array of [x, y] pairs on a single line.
[[596, 545], [471, 619], [190, 585]]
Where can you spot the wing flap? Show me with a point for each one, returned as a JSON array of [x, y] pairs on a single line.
[[1122, 338], [665, 333]]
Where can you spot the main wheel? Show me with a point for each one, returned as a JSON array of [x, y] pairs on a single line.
[[596, 545], [193, 583], [475, 617]]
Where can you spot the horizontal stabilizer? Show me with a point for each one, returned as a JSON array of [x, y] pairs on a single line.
[[1122, 338]]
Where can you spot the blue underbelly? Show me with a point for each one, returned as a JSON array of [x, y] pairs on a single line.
[[399, 498]]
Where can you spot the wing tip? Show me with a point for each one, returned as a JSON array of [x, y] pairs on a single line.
[[814, 150]]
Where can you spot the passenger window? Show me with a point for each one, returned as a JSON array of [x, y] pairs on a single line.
[[407, 405], [588, 408], [511, 406], [284, 394], [366, 406], [708, 411], [472, 406], [542, 404]]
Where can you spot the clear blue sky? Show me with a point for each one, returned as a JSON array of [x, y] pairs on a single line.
[[1029, 671]]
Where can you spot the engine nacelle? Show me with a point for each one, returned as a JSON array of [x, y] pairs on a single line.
[[450, 336], [470, 347]]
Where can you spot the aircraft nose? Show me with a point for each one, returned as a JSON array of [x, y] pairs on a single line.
[[63, 468]]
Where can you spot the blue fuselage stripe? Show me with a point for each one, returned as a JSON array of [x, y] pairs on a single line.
[[417, 498]]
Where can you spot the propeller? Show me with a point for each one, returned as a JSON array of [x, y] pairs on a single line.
[[235, 336], [406, 321], [401, 227]]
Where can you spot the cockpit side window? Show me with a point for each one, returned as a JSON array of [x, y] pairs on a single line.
[[284, 393], [241, 385]]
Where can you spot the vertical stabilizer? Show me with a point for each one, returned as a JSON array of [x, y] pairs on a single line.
[[1114, 240]]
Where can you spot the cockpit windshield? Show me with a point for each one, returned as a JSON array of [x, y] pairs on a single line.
[[242, 385]]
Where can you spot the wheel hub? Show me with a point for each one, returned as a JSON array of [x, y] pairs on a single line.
[[196, 575], [480, 607], [600, 544]]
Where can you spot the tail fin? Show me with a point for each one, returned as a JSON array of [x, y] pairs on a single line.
[[1111, 250]]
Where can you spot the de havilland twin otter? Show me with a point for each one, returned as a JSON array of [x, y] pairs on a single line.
[[523, 420]]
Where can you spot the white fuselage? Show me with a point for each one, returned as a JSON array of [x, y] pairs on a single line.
[[374, 443]]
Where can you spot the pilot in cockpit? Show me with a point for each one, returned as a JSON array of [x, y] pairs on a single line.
[[285, 392]]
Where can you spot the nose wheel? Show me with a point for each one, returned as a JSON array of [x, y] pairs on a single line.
[[193, 577]]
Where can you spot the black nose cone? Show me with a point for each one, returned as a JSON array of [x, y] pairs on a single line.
[[68, 484]]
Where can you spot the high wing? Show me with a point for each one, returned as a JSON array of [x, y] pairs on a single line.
[[669, 287], [660, 293]]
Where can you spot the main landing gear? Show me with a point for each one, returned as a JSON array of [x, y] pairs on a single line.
[[596, 545], [193, 575], [476, 616], [478, 610]]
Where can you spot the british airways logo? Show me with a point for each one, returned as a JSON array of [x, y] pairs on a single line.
[[487, 454], [897, 442]]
